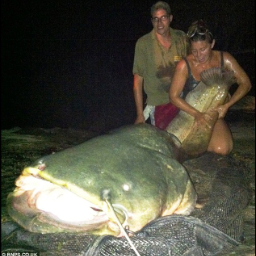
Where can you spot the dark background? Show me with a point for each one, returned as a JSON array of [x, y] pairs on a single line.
[[69, 63]]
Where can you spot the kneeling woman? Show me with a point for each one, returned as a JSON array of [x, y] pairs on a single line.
[[187, 77]]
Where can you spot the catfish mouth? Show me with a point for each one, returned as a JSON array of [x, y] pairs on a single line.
[[56, 205]]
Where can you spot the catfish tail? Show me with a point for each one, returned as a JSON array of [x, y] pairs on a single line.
[[217, 76]]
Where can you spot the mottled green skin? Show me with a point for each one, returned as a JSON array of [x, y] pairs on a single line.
[[141, 156]]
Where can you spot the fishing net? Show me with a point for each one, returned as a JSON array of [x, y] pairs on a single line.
[[213, 229]]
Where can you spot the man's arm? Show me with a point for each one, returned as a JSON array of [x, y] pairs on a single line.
[[138, 97]]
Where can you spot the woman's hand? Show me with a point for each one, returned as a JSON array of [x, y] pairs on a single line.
[[223, 109], [203, 120]]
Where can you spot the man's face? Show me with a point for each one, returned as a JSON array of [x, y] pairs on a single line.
[[161, 21]]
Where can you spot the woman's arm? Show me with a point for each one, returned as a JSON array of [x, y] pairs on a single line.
[[178, 82], [176, 88], [242, 79]]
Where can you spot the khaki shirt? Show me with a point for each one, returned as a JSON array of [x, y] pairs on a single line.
[[156, 64]]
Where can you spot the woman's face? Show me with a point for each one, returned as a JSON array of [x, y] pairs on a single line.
[[201, 50]]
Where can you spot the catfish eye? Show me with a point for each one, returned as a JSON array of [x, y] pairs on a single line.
[[126, 187]]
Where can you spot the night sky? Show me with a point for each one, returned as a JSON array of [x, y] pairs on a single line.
[[69, 63]]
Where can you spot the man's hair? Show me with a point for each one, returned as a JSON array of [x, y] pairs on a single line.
[[161, 5]]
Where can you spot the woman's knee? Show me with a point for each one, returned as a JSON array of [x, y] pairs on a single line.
[[223, 149], [221, 141]]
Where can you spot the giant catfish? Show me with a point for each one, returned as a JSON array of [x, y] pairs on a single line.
[[210, 93], [130, 176]]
